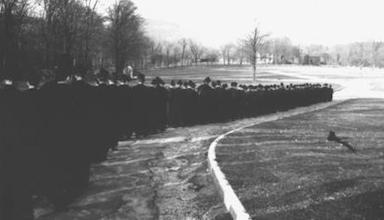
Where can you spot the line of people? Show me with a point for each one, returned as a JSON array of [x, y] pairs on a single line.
[[50, 135]]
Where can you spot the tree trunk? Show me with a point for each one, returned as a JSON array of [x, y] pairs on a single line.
[[254, 72]]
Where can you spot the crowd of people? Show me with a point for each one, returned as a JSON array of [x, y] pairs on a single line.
[[51, 134]]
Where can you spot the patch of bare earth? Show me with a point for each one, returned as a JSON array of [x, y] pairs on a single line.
[[286, 169]]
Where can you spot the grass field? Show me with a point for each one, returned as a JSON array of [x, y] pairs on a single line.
[[288, 170], [355, 82], [242, 74]]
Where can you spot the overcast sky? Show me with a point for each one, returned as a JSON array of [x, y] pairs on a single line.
[[217, 22]]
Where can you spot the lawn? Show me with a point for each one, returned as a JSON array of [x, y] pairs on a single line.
[[287, 169], [242, 74]]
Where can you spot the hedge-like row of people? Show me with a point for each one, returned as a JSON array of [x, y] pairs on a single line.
[[50, 135]]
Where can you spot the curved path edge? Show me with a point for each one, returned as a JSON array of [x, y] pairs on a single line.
[[231, 200]]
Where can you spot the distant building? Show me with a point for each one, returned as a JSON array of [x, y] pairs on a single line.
[[312, 60], [265, 58]]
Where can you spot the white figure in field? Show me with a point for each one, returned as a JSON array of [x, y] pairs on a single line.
[[128, 71]]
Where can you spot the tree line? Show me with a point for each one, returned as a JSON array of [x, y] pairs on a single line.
[[67, 36], [283, 51]]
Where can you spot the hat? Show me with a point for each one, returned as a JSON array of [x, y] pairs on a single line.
[[141, 77], [191, 84], [157, 81], [207, 80]]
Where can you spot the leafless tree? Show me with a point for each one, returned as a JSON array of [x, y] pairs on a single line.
[[240, 51], [376, 46], [126, 36], [255, 42], [183, 45], [168, 50], [12, 17], [196, 50], [90, 18], [176, 54], [227, 52]]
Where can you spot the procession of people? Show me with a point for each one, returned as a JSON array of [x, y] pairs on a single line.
[[52, 132]]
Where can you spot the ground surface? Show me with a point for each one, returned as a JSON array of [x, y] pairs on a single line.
[[160, 177], [287, 169], [165, 176]]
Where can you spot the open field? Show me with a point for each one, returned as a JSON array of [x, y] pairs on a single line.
[[242, 74], [355, 82], [287, 169]]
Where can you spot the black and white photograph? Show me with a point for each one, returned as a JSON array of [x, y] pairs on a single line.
[[191, 110]]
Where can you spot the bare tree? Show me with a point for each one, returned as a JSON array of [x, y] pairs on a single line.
[[223, 53], [12, 17], [168, 50], [196, 50], [227, 52], [376, 46], [255, 42], [183, 45], [240, 51], [90, 18], [176, 54], [126, 36]]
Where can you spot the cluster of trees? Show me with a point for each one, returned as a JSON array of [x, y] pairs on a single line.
[[366, 54], [283, 51], [67, 36], [70, 36], [182, 52]]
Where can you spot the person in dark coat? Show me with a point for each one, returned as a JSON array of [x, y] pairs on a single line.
[[176, 101], [234, 97], [64, 167], [206, 103], [15, 187], [125, 111], [160, 99], [220, 102], [140, 107], [190, 107]]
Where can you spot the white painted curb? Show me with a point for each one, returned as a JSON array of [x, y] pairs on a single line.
[[231, 201]]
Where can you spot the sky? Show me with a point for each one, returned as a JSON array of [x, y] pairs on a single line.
[[217, 22]]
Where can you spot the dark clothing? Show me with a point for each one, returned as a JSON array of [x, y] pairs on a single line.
[[140, 109], [15, 192]]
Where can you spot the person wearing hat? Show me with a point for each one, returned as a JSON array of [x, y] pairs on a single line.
[[61, 109], [140, 107], [175, 104], [220, 102], [159, 98], [125, 107], [190, 104], [15, 171], [206, 103], [233, 100]]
